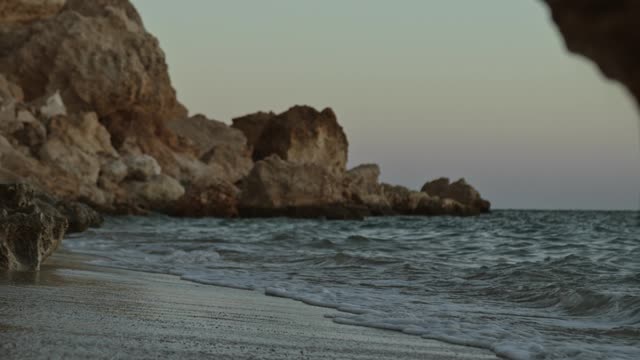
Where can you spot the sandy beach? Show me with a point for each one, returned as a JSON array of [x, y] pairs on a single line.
[[71, 310]]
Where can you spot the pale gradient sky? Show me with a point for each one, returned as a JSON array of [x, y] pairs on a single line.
[[425, 88]]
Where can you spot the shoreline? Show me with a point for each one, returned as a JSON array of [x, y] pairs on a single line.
[[71, 309]]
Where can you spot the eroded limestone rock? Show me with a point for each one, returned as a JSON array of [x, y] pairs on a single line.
[[301, 135]]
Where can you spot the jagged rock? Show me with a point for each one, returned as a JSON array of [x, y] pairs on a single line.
[[364, 188], [403, 200], [141, 167], [300, 135], [29, 232], [97, 55], [275, 186], [217, 199], [606, 32], [75, 145], [460, 191], [252, 126], [28, 10], [100, 58], [216, 144]]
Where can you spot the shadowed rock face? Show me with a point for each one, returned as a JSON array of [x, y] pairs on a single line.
[[605, 31], [29, 230], [301, 135], [216, 144]]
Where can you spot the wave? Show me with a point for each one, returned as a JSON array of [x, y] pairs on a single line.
[[526, 285]]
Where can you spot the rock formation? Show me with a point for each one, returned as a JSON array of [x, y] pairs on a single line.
[[301, 135], [216, 144], [363, 187], [88, 114], [275, 183], [99, 58], [30, 230], [605, 32], [459, 191]]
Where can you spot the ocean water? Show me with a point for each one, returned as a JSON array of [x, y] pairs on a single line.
[[524, 284]]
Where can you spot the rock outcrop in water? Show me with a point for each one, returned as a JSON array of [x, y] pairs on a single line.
[[605, 31], [276, 183], [459, 191]]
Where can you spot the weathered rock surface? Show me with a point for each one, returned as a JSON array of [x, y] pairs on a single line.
[[459, 191], [216, 144], [156, 193], [300, 135], [363, 186], [88, 113], [276, 183], [99, 58], [28, 10], [605, 31], [219, 198], [282, 188], [29, 231]]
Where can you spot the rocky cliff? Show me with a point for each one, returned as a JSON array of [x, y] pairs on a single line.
[[88, 112], [88, 115]]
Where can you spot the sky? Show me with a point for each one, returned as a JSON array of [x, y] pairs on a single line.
[[483, 90]]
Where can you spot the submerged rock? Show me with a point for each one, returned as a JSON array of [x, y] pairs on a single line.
[[29, 230]]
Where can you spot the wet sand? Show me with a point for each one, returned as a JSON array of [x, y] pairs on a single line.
[[70, 310]]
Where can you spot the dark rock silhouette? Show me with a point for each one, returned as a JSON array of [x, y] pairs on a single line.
[[605, 31]]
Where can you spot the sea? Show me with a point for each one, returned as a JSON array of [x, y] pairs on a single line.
[[523, 284]]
